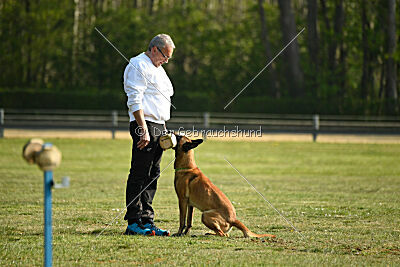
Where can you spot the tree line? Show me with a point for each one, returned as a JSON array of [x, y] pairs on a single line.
[[346, 61]]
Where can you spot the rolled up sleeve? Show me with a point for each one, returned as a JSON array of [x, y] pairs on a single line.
[[135, 85]]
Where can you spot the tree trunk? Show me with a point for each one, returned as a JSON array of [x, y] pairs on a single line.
[[312, 35], [337, 35], [325, 16], [76, 39], [28, 64], [151, 7], [294, 73], [267, 47], [382, 80], [366, 78], [391, 75], [312, 40], [341, 68], [327, 38]]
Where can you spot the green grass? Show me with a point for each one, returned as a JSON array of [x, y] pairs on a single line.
[[344, 198]]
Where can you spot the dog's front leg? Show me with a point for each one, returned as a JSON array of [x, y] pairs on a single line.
[[183, 205], [189, 219]]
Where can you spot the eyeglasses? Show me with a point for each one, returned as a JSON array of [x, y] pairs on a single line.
[[162, 53]]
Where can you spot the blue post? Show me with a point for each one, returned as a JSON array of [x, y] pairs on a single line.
[[47, 157], [48, 238]]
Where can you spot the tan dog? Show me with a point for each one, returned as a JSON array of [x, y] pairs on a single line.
[[194, 189]]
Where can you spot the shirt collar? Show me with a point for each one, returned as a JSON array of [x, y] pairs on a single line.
[[146, 57]]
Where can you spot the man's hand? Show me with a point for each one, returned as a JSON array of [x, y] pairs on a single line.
[[141, 130], [144, 139]]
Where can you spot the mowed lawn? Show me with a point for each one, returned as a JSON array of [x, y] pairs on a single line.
[[344, 198]]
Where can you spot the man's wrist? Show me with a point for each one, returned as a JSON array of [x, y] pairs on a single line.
[[145, 131]]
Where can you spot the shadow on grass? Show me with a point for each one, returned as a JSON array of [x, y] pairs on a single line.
[[95, 232], [102, 232]]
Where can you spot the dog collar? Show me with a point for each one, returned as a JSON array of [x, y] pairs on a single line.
[[179, 169]]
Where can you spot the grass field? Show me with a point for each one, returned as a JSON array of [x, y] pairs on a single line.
[[344, 198]]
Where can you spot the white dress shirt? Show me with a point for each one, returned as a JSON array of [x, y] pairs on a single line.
[[149, 90]]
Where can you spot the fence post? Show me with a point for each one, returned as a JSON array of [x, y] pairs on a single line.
[[1, 123], [206, 117], [315, 126], [114, 118]]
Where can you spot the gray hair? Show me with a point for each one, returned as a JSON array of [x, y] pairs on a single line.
[[161, 40]]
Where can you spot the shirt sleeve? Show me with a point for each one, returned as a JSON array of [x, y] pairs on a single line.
[[134, 85]]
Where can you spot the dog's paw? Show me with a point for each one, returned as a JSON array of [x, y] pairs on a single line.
[[177, 234], [209, 234]]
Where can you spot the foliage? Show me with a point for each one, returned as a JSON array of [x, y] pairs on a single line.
[[219, 50]]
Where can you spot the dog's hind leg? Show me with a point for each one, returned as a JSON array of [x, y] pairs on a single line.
[[213, 220], [189, 220], [246, 231]]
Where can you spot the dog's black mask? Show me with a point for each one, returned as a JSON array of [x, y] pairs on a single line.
[[178, 138], [190, 145]]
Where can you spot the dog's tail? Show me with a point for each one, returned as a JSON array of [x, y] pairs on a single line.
[[246, 232]]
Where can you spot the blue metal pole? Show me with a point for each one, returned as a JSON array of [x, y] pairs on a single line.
[[48, 247]]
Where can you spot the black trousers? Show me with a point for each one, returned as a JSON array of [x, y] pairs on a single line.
[[145, 167]]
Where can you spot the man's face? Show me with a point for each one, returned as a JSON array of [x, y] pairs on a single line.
[[161, 55]]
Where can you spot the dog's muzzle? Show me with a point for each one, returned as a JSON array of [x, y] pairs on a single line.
[[168, 141]]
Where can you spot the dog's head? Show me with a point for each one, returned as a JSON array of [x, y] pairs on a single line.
[[184, 155], [184, 144]]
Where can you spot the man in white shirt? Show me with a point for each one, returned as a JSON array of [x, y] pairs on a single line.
[[149, 92]]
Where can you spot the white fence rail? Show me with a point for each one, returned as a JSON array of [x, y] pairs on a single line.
[[118, 120]]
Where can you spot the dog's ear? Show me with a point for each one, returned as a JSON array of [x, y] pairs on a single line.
[[190, 145], [178, 138]]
